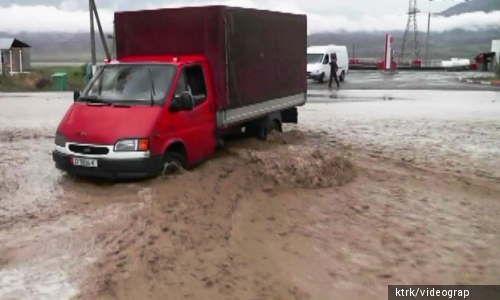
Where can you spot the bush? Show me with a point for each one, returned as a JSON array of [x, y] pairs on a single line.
[[75, 85], [6, 83], [42, 83]]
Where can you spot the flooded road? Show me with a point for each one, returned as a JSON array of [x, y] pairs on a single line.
[[408, 80], [371, 188], [457, 131]]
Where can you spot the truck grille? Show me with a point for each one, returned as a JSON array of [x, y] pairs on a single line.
[[89, 150]]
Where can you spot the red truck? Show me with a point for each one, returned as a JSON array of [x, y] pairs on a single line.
[[182, 80]]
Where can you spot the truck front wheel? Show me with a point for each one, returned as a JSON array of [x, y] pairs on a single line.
[[342, 76], [321, 78], [265, 126], [173, 162]]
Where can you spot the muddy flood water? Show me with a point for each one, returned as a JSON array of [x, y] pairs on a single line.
[[371, 188]]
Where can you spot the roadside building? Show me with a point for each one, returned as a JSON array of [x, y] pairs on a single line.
[[485, 61], [15, 56], [495, 48]]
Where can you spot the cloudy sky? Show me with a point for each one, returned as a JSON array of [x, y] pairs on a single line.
[[323, 15]]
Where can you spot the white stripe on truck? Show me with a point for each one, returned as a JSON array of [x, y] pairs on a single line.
[[249, 112]]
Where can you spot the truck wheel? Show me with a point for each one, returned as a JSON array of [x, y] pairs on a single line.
[[321, 78], [275, 126], [342, 76], [173, 162], [264, 131]]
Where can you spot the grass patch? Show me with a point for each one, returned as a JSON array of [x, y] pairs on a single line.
[[40, 79], [74, 73], [485, 78]]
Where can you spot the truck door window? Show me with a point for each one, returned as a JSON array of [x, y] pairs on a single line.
[[192, 80], [326, 60], [181, 85]]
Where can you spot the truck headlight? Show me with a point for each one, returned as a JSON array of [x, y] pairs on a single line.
[[60, 139], [132, 145]]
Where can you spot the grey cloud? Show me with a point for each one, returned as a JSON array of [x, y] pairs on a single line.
[[348, 8]]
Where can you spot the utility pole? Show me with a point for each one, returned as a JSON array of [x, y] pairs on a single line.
[[92, 11], [113, 38], [429, 25], [411, 32], [428, 33], [92, 37], [101, 32]]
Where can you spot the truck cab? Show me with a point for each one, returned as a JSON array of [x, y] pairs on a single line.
[[139, 117]]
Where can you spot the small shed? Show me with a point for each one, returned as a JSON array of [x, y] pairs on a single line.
[[15, 56], [495, 47], [486, 61]]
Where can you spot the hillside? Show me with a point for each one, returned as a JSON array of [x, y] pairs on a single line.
[[457, 43], [472, 6], [445, 45], [59, 46]]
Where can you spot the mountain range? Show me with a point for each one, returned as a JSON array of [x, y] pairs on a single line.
[[62, 47], [472, 6]]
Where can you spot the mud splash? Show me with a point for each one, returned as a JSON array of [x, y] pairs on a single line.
[[182, 243], [290, 137], [302, 168]]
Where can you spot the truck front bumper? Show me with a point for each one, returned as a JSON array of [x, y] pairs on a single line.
[[111, 169], [314, 76]]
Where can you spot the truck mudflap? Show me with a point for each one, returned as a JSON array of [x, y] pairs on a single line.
[[290, 115], [246, 113]]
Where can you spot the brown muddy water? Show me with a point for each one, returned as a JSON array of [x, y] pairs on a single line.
[[371, 188]]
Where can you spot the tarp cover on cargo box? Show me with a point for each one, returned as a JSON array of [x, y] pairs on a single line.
[[267, 55], [266, 51]]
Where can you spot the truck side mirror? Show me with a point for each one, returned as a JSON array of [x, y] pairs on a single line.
[[175, 105], [187, 101], [76, 95], [184, 102]]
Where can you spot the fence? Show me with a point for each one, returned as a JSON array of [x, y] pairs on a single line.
[[405, 62]]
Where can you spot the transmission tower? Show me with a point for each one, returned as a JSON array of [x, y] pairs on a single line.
[[410, 39]]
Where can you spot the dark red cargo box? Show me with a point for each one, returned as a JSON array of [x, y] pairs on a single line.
[[265, 51]]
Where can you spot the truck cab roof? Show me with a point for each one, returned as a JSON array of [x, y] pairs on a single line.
[[324, 49], [176, 60]]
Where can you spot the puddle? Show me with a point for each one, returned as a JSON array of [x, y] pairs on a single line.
[[35, 283], [350, 98]]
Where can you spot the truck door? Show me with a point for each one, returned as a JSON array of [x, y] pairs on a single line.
[[195, 127]]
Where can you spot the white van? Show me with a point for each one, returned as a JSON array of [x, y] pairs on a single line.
[[318, 62]]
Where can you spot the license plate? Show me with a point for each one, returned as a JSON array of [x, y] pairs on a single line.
[[85, 162]]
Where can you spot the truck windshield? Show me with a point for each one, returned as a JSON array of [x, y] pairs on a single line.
[[131, 83], [314, 58]]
